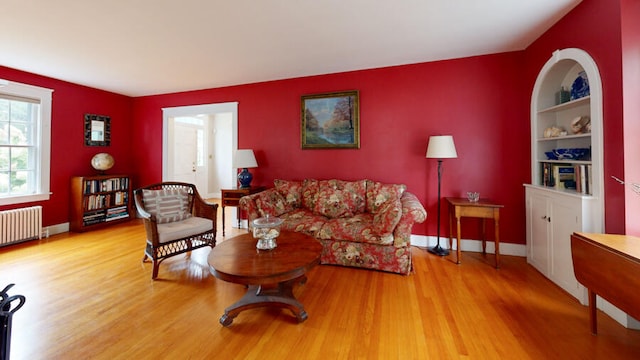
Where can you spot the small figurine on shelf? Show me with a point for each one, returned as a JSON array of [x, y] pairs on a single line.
[[563, 96], [581, 125], [554, 131]]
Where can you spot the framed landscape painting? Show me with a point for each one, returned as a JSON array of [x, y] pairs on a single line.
[[330, 121]]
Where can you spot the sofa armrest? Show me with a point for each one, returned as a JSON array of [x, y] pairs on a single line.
[[249, 206], [412, 212]]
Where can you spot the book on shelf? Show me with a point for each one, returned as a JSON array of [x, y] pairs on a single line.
[[546, 175], [105, 185], [583, 179], [564, 177]]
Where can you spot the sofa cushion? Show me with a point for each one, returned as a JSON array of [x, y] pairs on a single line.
[[309, 193], [379, 193], [291, 191], [387, 217], [302, 220], [358, 228], [333, 202], [357, 192], [167, 205], [179, 229], [271, 202]]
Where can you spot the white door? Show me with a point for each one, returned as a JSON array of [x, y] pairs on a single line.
[[188, 149]]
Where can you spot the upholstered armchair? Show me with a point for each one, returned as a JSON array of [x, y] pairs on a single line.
[[176, 220]]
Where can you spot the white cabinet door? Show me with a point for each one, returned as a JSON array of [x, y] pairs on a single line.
[[565, 214], [538, 246]]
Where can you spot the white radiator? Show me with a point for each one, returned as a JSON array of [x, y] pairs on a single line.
[[18, 225]]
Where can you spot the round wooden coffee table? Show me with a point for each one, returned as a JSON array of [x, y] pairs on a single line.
[[269, 274]]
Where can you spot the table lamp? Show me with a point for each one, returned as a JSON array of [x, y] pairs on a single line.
[[440, 147], [244, 159]]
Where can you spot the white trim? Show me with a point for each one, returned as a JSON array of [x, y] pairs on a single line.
[[44, 95], [470, 245], [170, 112]]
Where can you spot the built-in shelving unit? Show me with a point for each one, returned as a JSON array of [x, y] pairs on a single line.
[[98, 201], [556, 209]]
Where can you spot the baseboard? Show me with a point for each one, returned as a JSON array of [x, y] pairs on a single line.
[[470, 245], [417, 240], [56, 229]]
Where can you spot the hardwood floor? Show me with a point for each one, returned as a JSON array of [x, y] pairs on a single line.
[[90, 297]]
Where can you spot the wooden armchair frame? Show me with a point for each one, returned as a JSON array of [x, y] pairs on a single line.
[[157, 251]]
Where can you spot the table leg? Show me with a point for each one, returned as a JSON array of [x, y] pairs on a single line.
[[458, 251], [496, 220], [280, 295], [223, 219], [450, 228], [593, 312], [484, 236]]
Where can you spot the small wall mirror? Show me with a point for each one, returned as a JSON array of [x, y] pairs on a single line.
[[97, 130]]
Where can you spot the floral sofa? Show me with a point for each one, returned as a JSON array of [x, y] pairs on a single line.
[[360, 223]]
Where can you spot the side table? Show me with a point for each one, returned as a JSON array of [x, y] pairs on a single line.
[[483, 208], [231, 197]]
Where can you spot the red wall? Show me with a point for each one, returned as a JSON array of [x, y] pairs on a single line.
[[481, 101], [69, 156], [594, 26]]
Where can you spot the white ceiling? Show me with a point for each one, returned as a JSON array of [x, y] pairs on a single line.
[[145, 47]]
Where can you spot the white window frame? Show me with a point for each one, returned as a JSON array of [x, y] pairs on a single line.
[[43, 139]]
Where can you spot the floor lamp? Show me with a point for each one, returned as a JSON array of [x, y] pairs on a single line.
[[440, 147]]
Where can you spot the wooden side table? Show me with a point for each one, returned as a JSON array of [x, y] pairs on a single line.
[[485, 209], [231, 197]]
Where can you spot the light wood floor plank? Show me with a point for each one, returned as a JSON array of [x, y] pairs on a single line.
[[90, 297]]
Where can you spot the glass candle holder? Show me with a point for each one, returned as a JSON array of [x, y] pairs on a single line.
[[473, 196], [266, 230]]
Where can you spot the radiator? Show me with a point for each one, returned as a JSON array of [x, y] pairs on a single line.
[[18, 225]]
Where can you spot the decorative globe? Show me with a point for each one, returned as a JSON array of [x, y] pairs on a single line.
[[102, 161]]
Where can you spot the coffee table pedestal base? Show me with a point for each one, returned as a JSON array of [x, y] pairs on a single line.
[[277, 295]]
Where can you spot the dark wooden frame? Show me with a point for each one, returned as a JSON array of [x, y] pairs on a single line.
[[88, 121], [344, 104]]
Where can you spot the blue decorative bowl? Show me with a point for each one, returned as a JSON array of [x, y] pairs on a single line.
[[569, 154]]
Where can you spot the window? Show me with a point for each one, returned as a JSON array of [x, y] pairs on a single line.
[[25, 140]]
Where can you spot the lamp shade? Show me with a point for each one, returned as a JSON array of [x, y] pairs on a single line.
[[244, 158], [441, 147]]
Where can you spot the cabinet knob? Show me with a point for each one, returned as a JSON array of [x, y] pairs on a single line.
[[544, 217]]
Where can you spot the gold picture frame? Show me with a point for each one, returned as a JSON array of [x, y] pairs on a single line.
[[330, 120]]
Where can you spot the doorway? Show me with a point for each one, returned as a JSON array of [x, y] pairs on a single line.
[[198, 146]]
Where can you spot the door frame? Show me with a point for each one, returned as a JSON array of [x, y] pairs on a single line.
[[191, 110]]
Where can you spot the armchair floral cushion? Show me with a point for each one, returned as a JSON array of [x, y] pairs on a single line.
[[360, 223]]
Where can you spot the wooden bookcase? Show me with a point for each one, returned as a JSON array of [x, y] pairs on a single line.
[[98, 201]]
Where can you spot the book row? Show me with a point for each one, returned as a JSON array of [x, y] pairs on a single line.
[[105, 215], [100, 201], [104, 185], [568, 177]]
